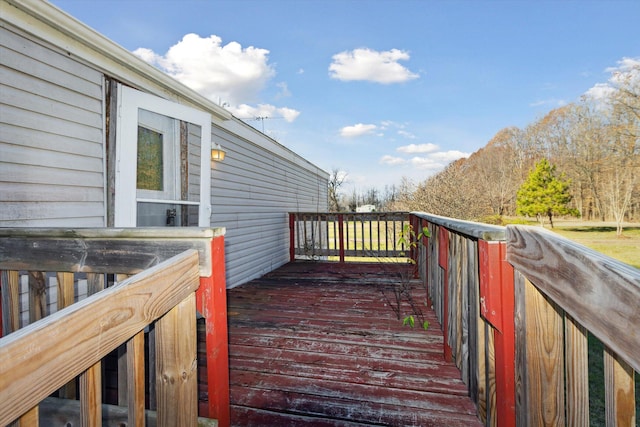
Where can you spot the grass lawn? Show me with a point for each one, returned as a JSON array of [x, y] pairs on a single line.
[[599, 236], [603, 239]]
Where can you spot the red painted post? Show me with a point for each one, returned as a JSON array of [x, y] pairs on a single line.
[[415, 227], [425, 241], [341, 235], [443, 261], [211, 300], [2, 285], [292, 237], [498, 308]]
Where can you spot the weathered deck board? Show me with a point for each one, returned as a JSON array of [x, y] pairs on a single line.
[[314, 344]]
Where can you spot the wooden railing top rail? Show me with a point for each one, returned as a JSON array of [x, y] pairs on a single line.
[[42, 357], [468, 228], [599, 292], [102, 250], [387, 215]]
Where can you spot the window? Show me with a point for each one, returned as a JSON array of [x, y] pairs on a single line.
[[162, 163]]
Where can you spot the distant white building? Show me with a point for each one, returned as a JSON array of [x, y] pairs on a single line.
[[366, 208]]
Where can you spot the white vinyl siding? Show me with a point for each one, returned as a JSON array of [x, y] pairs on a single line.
[[53, 155], [252, 191], [51, 137]]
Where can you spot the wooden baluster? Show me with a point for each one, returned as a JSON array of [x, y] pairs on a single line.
[[10, 302], [91, 396], [577, 371], [176, 366], [123, 386], [135, 366], [65, 299], [91, 379], [620, 408], [37, 296], [545, 353], [37, 310]]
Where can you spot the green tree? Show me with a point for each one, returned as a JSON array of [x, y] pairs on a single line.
[[544, 194]]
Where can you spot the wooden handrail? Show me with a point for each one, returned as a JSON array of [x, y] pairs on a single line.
[[40, 358], [96, 254]]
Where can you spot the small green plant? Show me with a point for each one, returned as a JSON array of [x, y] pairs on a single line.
[[411, 321], [410, 239], [402, 291]]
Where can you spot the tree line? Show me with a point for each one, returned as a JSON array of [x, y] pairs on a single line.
[[593, 143]]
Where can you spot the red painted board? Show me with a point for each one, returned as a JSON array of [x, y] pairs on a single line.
[[211, 299], [490, 280], [443, 247]]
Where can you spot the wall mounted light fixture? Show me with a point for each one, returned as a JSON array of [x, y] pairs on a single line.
[[217, 153]]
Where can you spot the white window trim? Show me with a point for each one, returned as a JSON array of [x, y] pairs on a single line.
[[129, 102]]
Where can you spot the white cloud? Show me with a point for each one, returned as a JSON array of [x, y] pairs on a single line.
[[628, 69], [434, 160], [626, 65], [553, 102], [228, 73], [448, 156], [391, 160], [406, 134], [263, 111], [370, 65], [418, 148], [357, 130], [426, 163], [599, 91], [284, 90]]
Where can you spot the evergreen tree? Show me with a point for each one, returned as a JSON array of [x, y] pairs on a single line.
[[544, 194]]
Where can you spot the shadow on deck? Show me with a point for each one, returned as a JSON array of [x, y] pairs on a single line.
[[316, 344]]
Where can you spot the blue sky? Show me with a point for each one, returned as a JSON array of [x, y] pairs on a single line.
[[378, 89]]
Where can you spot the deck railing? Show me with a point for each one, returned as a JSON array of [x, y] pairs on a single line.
[[517, 305], [158, 277], [363, 236], [520, 336]]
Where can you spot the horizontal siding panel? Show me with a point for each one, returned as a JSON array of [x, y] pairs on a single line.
[[258, 156], [41, 139], [23, 192], [51, 137], [21, 155], [49, 107], [268, 166], [67, 222], [41, 175], [260, 184], [49, 210], [23, 54], [30, 120], [253, 219], [284, 186], [21, 81]]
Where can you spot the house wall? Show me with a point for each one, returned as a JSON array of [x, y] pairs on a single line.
[[53, 130], [252, 192], [51, 137]]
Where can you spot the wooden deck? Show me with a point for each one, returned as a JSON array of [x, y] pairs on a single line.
[[315, 344]]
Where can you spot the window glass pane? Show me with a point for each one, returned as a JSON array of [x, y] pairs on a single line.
[[150, 162], [166, 215]]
